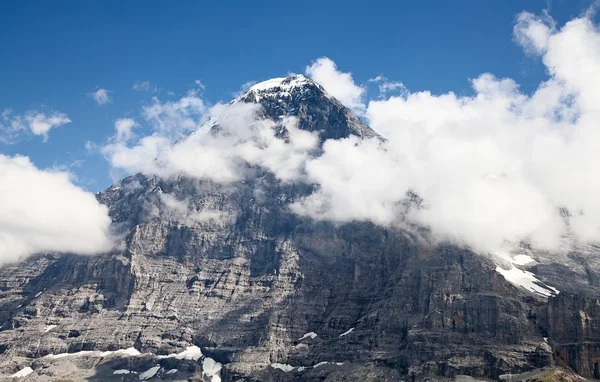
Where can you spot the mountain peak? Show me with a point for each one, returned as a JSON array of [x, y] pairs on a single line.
[[301, 97], [282, 83]]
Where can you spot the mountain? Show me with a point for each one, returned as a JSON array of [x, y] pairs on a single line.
[[234, 286]]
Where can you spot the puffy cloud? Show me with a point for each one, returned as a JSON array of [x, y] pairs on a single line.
[[242, 142], [33, 121], [42, 211], [101, 96], [40, 123], [175, 118], [124, 129], [338, 84], [533, 32]]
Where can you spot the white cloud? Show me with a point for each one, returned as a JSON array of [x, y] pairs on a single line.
[[243, 141], [41, 123], [124, 129], [200, 84], [533, 32], [145, 86], [338, 84], [491, 168], [175, 118], [386, 86], [32, 121], [101, 96], [42, 211]]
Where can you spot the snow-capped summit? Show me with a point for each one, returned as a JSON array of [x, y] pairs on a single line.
[[282, 84]]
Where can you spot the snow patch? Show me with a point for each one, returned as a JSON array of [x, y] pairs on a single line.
[[283, 367], [149, 373], [48, 328], [94, 353], [312, 335], [328, 363], [127, 352], [347, 332], [212, 369], [172, 371], [281, 83], [191, 352], [528, 281], [277, 87], [122, 371], [23, 372], [38, 294], [77, 354]]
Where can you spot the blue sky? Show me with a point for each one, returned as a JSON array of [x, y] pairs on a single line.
[[55, 53]]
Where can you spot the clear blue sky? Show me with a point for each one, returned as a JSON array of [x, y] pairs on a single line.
[[54, 52]]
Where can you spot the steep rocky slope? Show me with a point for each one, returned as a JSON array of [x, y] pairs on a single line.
[[273, 296]]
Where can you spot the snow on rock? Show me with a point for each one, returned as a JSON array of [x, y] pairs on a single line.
[[23, 372], [328, 363], [48, 328], [282, 83], [122, 371], [277, 87], [312, 335], [149, 373], [302, 368], [126, 352], [172, 371], [283, 366], [212, 369], [528, 281], [94, 353], [347, 332], [191, 352], [76, 354]]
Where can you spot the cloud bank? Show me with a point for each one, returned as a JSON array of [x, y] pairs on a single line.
[[42, 211], [493, 168], [242, 142]]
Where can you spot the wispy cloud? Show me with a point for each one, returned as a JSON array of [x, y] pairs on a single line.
[[145, 86], [386, 86]]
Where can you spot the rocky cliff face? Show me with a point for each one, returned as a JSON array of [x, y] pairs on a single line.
[[236, 287]]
